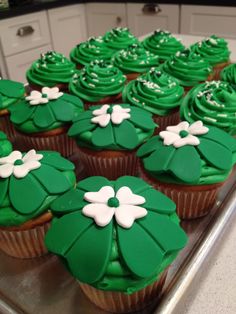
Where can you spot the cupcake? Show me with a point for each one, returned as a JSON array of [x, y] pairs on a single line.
[[119, 38], [119, 238], [215, 50], [98, 83], [29, 183], [163, 44], [53, 69], [134, 61], [159, 94], [189, 68], [10, 93], [212, 102], [5, 145], [108, 136], [42, 119], [228, 74], [93, 49], [188, 163]]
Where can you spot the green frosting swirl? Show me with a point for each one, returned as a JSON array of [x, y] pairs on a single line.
[[188, 67], [10, 93], [212, 102], [94, 48], [135, 59], [51, 69], [155, 91], [213, 49], [163, 44], [228, 74], [96, 81], [5, 145], [119, 38]]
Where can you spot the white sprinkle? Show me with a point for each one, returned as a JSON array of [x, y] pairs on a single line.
[[210, 119]]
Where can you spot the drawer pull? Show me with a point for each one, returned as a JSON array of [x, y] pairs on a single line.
[[118, 20], [151, 8], [25, 31]]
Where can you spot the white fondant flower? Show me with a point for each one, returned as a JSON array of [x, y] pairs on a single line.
[[117, 115], [36, 98], [183, 134], [123, 205], [18, 165]]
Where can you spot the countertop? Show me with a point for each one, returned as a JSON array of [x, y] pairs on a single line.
[[39, 5]]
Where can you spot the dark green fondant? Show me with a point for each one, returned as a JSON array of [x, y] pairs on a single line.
[[10, 93], [5, 145]]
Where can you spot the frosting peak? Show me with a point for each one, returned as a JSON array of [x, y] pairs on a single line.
[[119, 38]]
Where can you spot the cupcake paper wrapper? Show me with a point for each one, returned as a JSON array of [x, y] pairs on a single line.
[[190, 204], [118, 302], [60, 143], [164, 121], [24, 243], [7, 127], [109, 167]]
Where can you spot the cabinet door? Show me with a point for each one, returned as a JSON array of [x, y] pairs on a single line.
[[145, 18], [18, 64], [101, 17], [208, 20], [68, 27]]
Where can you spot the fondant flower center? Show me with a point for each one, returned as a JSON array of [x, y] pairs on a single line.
[[18, 162], [183, 133], [44, 95], [110, 110], [113, 202]]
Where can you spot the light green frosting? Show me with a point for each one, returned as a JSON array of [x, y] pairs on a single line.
[[212, 102], [163, 44], [228, 74], [155, 91], [51, 69], [119, 38], [93, 49], [213, 49], [135, 59], [96, 81], [188, 67]]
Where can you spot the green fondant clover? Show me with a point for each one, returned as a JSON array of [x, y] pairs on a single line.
[[112, 228], [182, 150], [5, 145], [117, 126], [29, 182], [10, 92]]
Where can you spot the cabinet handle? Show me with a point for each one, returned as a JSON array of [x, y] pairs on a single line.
[[118, 20], [151, 8], [25, 31]]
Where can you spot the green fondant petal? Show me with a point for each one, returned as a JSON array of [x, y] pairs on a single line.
[[63, 111], [11, 88], [80, 127], [3, 189], [136, 185], [22, 112], [56, 161], [70, 201], [158, 202], [89, 256], [65, 231], [142, 120], [186, 164], [160, 159], [51, 179], [93, 184], [126, 135], [102, 137], [167, 234], [86, 115], [73, 100], [150, 146], [27, 186], [216, 154], [139, 251], [43, 116]]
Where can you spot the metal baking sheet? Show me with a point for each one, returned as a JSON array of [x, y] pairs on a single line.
[[43, 286]]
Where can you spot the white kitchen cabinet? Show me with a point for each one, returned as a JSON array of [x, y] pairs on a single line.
[[208, 20], [68, 27], [144, 18], [19, 63], [102, 17]]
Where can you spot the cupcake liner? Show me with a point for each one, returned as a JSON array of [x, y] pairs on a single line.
[[7, 127], [191, 201], [118, 302], [58, 142], [117, 99], [164, 121], [110, 164], [218, 68], [24, 243], [132, 76]]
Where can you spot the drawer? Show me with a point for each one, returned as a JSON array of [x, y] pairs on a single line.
[[25, 32], [18, 64]]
